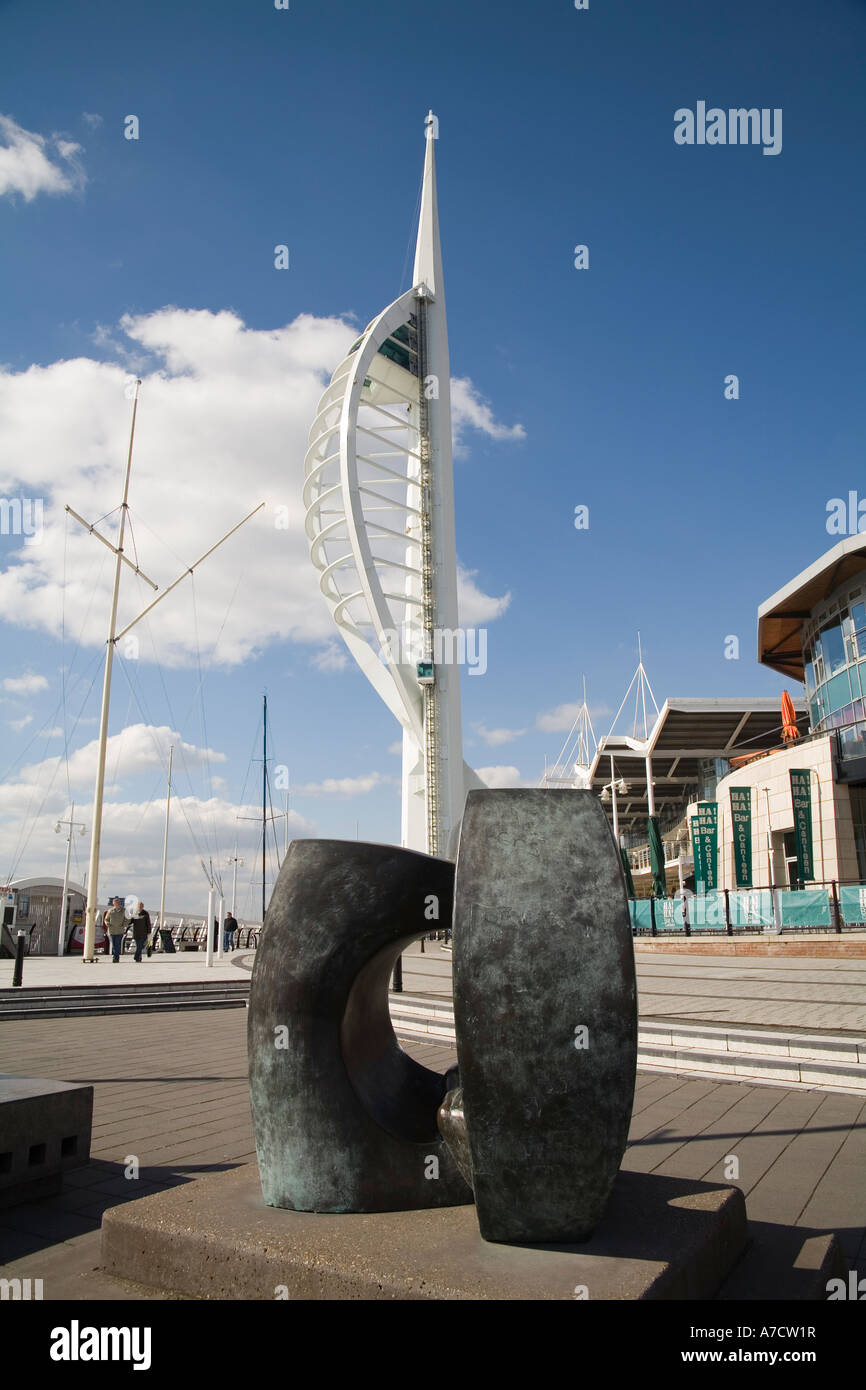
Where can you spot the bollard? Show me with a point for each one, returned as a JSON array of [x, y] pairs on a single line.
[[397, 983], [19, 961]]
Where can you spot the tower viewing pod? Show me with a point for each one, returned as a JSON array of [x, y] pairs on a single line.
[[379, 499]]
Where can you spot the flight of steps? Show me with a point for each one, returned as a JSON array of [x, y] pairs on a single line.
[[60, 1002], [806, 1061]]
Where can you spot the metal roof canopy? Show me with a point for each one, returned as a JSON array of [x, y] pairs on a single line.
[[781, 618], [686, 730]]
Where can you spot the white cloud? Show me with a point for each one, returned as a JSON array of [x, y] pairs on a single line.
[[344, 786], [138, 748], [132, 833], [132, 839], [19, 724], [332, 657], [474, 606], [469, 409], [222, 425], [26, 162], [92, 118], [499, 776], [27, 684], [561, 719], [495, 737]]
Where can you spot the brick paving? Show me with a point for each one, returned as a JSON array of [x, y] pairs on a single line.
[[170, 1090]]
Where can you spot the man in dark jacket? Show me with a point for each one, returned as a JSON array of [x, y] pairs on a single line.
[[230, 926], [140, 929]]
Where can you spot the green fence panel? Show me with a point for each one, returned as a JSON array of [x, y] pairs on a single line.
[[809, 907], [707, 912], [852, 901], [751, 908], [641, 912], [669, 914]]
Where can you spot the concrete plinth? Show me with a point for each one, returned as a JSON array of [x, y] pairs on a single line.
[[660, 1238]]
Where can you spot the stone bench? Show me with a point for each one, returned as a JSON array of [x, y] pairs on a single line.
[[45, 1129]]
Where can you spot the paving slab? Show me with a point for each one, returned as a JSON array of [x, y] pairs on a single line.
[[180, 1059]]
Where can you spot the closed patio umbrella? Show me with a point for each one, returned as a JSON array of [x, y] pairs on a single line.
[[657, 858], [626, 868], [789, 719]]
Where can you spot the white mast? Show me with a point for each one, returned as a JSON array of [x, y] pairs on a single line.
[[87, 954], [165, 840]]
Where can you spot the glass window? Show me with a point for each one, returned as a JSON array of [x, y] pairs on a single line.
[[858, 616], [809, 672], [850, 639], [837, 692], [833, 648], [858, 816]]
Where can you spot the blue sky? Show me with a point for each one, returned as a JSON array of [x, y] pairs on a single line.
[[261, 127]]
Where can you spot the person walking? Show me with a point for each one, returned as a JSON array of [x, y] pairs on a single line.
[[140, 930], [230, 926], [115, 924]]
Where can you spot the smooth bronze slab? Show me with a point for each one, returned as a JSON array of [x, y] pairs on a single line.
[[545, 1012], [344, 1120]]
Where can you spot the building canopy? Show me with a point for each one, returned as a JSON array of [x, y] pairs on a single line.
[[781, 618], [687, 735]]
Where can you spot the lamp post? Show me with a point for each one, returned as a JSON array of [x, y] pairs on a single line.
[[814, 772], [61, 931], [608, 793], [772, 876], [234, 863]]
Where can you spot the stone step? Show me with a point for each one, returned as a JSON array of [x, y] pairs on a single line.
[[89, 1001], [112, 991], [803, 1060]]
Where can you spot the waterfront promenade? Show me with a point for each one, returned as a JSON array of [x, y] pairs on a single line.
[[171, 1094]]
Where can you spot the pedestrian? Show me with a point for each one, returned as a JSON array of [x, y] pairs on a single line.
[[230, 926], [140, 930], [114, 922]]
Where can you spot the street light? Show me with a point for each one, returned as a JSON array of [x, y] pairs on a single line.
[[234, 863], [61, 930], [608, 793]]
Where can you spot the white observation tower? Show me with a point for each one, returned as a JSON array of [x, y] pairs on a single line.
[[379, 499]]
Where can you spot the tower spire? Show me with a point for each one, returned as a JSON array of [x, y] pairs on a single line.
[[428, 252]]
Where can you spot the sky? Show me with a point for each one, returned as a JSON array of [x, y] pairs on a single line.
[[606, 387]]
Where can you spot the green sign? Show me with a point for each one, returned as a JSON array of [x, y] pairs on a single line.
[[741, 818], [705, 844], [801, 796], [697, 852]]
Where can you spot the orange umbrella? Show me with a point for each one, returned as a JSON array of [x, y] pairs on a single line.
[[789, 719]]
